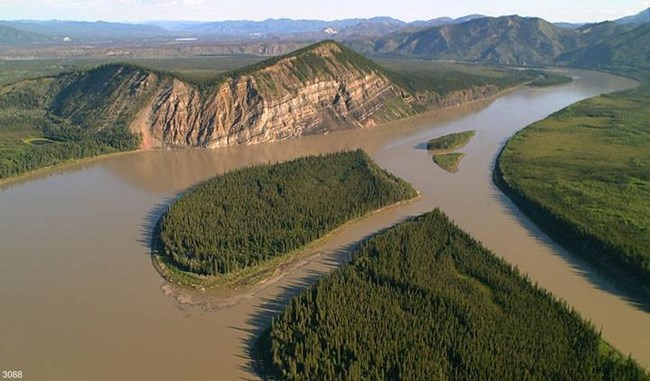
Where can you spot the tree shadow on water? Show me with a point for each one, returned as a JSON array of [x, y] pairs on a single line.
[[580, 266], [150, 222], [272, 306]]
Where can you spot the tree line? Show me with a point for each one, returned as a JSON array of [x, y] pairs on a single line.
[[425, 301], [250, 215]]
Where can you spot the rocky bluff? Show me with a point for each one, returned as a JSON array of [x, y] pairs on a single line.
[[314, 90]]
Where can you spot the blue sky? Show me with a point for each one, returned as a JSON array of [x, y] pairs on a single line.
[[408, 10]]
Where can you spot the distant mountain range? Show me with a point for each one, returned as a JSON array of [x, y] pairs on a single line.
[[56, 30], [13, 36], [511, 40], [505, 40]]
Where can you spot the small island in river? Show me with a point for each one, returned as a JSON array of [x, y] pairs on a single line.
[[443, 147], [448, 161], [238, 227]]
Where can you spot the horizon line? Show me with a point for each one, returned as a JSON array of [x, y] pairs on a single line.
[[149, 21]]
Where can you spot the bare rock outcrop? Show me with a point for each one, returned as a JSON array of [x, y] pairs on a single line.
[[316, 89]]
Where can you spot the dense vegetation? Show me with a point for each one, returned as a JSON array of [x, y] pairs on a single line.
[[450, 142], [584, 175], [245, 217], [424, 301], [448, 161], [443, 147], [25, 115]]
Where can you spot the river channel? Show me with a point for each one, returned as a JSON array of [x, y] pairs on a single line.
[[80, 299]]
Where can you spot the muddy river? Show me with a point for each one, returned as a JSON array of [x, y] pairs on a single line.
[[80, 299]]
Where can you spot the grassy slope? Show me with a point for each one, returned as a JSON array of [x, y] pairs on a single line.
[[424, 301], [13, 36], [55, 108], [584, 174], [626, 49]]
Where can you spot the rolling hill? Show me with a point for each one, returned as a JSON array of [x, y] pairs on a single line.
[[82, 30], [627, 49], [13, 36], [509, 40], [640, 18]]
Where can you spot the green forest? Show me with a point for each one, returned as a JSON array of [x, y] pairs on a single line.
[[425, 301], [245, 217], [27, 116], [583, 174]]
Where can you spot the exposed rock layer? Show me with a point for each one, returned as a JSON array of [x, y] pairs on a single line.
[[295, 96], [314, 90]]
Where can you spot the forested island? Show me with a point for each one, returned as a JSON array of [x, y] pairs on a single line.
[[450, 142], [425, 301], [442, 148], [583, 174], [250, 216]]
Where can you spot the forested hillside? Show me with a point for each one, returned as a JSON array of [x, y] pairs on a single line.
[[32, 136], [425, 301], [248, 216]]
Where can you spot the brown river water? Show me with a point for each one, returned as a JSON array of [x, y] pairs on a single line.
[[80, 299]]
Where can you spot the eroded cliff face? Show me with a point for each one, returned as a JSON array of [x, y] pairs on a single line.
[[314, 91]]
